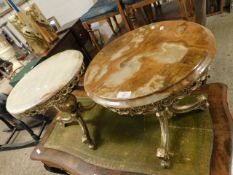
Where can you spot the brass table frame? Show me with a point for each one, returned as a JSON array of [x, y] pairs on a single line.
[[220, 162], [167, 108], [65, 101]]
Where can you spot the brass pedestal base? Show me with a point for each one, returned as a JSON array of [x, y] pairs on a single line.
[[71, 106]]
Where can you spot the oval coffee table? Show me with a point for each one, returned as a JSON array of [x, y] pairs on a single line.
[[151, 70], [50, 84]]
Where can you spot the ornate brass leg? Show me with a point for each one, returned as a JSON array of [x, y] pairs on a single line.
[[71, 106], [86, 136], [163, 150], [199, 102]]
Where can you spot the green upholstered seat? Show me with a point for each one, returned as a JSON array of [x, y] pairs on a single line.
[[129, 143]]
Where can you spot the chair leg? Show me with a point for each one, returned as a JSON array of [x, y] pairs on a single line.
[[149, 12], [9, 125], [92, 35], [132, 17], [21, 124], [192, 8], [158, 9], [141, 13], [158, 4], [111, 26], [123, 15], [183, 9], [116, 23], [18, 126]]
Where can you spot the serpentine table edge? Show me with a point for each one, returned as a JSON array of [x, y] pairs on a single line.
[[221, 158]]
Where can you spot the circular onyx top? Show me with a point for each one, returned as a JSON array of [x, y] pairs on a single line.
[[44, 81], [149, 63]]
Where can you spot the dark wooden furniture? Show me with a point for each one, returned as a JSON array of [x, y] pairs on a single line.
[[214, 7], [194, 10], [74, 36], [101, 10], [200, 12], [128, 11], [187, 9], [220, 162]]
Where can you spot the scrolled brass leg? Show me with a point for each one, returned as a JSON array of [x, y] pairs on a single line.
[[86, 136], [71, 106], [163, 150], [199, 102]]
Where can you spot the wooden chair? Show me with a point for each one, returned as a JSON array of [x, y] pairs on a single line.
[[128, 8], [101, 10], [16, 125]]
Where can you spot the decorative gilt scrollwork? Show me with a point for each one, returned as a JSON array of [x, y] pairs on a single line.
[[164, 109], [162, 104], [58, 98]]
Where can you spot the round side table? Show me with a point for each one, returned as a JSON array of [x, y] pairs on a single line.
[[50, 84], [150, 70]]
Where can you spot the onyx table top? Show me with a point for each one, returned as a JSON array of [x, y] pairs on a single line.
[[149, 64]]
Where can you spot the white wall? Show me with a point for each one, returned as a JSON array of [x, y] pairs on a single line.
[[66, 11]]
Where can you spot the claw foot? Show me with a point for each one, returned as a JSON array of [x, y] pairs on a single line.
[[165, 164], [90, 144], [164, 156]]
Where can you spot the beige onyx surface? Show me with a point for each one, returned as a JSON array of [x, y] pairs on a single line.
[[149, 63], [44, 81]]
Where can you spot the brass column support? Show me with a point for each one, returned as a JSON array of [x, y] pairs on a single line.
[[163, 151], [200, 102], [71, 106]]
